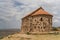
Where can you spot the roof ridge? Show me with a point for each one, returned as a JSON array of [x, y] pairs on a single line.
[[41, 12], [36, 10]]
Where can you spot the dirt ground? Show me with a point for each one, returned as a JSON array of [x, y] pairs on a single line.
[[32, 37]]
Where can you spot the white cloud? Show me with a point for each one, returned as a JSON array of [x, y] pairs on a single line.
[[55, 21], [13, 10]]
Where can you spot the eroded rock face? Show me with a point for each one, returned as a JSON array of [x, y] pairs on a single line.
[[38, 23]]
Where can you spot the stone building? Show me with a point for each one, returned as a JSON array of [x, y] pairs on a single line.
[[37, 21]]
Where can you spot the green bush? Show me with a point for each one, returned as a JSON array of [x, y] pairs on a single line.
[[28, 33], [55, 29], [1, 37]]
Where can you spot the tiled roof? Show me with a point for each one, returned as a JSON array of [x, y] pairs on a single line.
[[39, 11]]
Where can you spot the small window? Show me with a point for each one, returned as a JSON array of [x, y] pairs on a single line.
[[38, 27], [41, 19]]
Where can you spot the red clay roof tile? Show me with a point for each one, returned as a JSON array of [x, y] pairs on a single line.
[[39, 11]]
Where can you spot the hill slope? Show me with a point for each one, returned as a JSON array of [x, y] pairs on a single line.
[[19, 36]]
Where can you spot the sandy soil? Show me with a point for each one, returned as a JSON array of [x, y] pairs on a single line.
[[32, 37]]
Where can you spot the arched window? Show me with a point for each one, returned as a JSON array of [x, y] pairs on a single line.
[[38, 27], [41, 19]]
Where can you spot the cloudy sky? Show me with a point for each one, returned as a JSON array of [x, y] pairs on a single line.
[[11, 11]]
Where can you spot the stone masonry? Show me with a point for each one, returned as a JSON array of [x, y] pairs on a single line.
[[35, 22]]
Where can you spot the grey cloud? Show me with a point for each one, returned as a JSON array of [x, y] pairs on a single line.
[[8, 15], [11, 11]]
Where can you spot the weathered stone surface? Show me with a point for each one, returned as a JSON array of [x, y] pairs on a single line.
[[37, 23]]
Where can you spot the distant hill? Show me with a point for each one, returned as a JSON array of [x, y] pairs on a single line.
[[56, 28], [6, 32]]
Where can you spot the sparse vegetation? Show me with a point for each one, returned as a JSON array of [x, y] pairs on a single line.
[[55, 29], [28, 33], [1, 37], [33, 37]]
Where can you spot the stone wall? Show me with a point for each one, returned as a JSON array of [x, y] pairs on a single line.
[[40, 23]]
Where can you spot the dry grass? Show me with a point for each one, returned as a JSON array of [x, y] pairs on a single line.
[[32, 37]]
